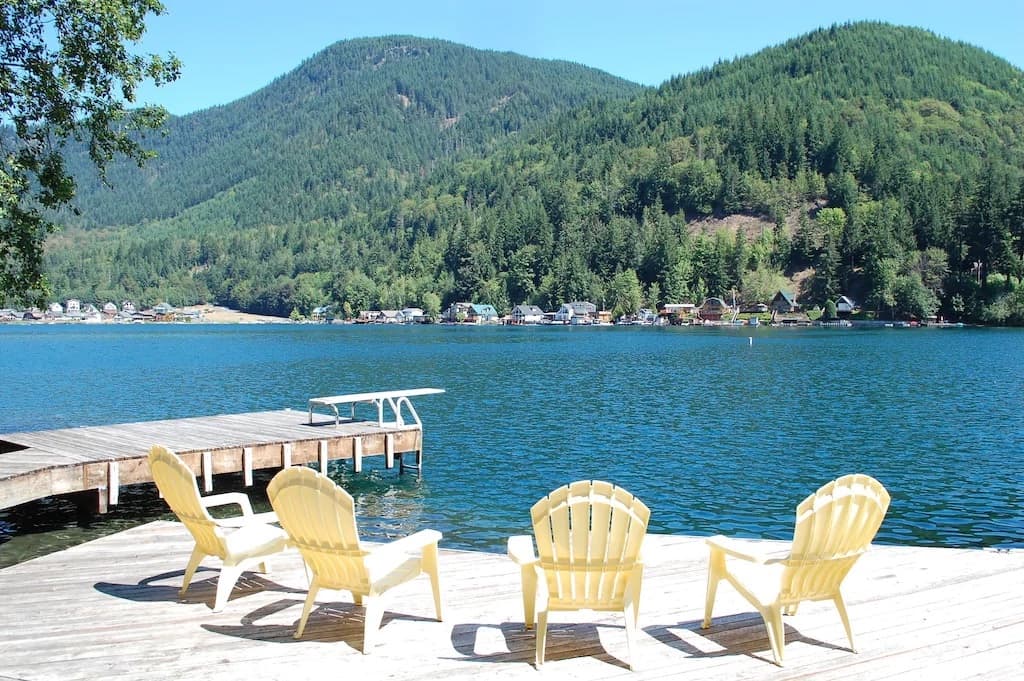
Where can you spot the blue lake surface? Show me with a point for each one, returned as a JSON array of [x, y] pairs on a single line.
[[717, 430]]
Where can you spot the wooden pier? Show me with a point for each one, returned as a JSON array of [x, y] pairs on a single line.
[[110, 609], [39, 464]]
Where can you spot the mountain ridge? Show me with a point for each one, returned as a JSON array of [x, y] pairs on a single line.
[[900, 154]]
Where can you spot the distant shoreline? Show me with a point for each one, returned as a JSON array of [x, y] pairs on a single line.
[[193, 314]]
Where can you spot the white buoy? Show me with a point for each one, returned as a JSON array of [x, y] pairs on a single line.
[[751, 339]]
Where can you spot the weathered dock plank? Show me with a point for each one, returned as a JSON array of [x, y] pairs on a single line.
[[44, 463], [110, 608]]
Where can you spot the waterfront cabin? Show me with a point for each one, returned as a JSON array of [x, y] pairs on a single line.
[[54, 310], [784, 302], [110, 310], [367, 316], [128, 307], [412, 315], [526, 314], [568, 312], [388, 317], [845, 306], [471, 313], [482, 314], [163, 312], [713, 309], [456, 312], [73, 307]]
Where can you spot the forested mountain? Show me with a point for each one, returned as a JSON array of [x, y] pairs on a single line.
[[884, 163], [352, 124]]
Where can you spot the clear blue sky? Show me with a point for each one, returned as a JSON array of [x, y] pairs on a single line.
[[231, 48]]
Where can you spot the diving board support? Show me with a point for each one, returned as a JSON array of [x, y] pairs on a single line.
[[395, 399], [389, 450], [286, 455], [357, 454]]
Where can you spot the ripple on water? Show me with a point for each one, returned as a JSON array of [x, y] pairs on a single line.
[[715, 434]]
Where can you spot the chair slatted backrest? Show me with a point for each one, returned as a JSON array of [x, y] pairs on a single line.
[[834, 527], [177, 485], [320, 520], [589, 535]]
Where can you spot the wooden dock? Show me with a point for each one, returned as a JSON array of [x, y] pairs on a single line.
[[34, 465], [109, 609]]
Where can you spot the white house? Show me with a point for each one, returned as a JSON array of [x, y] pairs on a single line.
[[526, 314], [568, 311], [845, 306], [411, 315]]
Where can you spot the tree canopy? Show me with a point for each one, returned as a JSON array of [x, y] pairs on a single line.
[[66, 73]]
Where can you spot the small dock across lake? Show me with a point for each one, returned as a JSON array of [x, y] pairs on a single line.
[[39, 464], [109, 609]]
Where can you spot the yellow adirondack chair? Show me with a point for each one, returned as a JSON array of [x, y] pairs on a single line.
[[589, 535], [834, 527], [241, 542], [319, 518]]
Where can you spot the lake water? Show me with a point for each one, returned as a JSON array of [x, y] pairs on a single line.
[[717, 430]]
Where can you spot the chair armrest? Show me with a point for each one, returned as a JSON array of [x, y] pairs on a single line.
[[734, 549], [255, 519], [520, 549], [413, 543], [228, 498]]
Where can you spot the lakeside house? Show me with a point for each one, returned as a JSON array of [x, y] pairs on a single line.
[[163, 312], [482, 314], [713, 309], [526, 314], [412, 315], [576, 312], [786, 311], [845, 306], [367, 316], [471, 313], [784, 302]]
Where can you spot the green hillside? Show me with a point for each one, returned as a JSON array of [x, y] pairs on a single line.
[[884, 163]]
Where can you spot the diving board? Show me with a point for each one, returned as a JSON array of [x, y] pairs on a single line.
[[395, 399]]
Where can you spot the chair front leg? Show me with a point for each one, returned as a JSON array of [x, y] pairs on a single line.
[[529, 577], [373, 616], [716, 570], [229, 574], [776, 631], [541, 605], [429, 565], [631, 612]]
